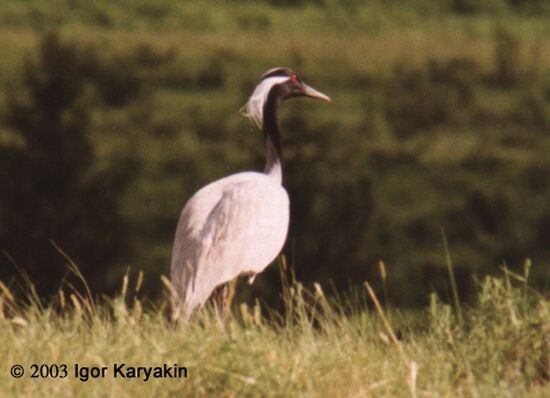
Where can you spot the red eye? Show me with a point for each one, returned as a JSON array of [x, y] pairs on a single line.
[[294, 77]]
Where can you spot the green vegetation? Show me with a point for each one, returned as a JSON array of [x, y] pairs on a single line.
[[427, 175], [318, 347], [440, 120]]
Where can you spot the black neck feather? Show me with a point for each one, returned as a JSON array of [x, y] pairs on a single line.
[[272, 134]]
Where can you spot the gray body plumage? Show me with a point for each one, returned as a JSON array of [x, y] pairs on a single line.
[[233, 226]]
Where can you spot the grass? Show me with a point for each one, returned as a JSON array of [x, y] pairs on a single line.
[[317, 347]]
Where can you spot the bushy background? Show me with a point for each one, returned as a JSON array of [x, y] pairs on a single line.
[[112, 115]]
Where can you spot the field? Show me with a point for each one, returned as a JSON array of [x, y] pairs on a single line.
[[433, 152], [316, 348]]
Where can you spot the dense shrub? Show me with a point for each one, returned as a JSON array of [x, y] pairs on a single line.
[[52, 187]]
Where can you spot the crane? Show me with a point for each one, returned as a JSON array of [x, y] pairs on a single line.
[[237, 225]]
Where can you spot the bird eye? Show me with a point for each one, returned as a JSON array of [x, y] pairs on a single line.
[[294, 77]]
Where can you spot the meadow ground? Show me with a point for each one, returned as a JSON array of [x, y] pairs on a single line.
[[347, 347]]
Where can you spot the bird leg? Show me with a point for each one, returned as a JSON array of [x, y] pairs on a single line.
[[222, 298], [219, 297]]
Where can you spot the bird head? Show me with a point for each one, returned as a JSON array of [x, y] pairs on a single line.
[[280, 83]]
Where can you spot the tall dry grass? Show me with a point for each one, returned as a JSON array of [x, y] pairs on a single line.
[[318, 346]]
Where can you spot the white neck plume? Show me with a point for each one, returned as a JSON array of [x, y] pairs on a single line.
[[254, 108]]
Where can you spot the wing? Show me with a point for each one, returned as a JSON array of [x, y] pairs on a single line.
[[230, 227]]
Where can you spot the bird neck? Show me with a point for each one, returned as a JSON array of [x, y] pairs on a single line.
[[272, 136]]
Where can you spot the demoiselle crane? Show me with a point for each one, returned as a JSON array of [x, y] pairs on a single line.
[[237, 225]]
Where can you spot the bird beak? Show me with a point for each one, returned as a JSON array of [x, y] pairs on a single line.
[[311, 92]]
